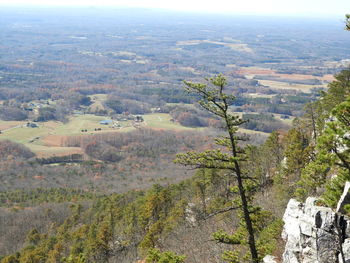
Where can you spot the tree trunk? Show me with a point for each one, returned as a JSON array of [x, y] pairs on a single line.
[[245, 207]]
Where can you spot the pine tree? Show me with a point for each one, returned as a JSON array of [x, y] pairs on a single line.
[[155, 256], [230, 158], [332, 157], [313, 115], [337, 143], [331, 125]]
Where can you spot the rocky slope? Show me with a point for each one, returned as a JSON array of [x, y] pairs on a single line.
[[316, 234]]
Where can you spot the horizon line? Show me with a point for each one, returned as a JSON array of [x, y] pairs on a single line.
[[198, 12]]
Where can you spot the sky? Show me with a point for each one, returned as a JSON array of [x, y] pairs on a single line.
[[277, 7]]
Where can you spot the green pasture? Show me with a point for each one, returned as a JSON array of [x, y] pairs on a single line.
[[286, 121], [97, 101], [4, 125], [33, 137], [246, 131], [162, 121], [24, 134], [88, 122], [81, 122]]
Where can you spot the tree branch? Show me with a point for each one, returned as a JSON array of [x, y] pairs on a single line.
[[220, 212]]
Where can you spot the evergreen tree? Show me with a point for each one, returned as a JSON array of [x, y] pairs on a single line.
[[337, 92], [229, 158], [337, 143], [155, 256], [313, 115], [332, 157]]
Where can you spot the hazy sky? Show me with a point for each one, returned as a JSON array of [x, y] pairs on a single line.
[[301, 7]]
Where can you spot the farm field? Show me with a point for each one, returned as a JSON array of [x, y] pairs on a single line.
[[287, 121], [251, 72], [291, 86], [87, 122], [231, 43], [284, 81], [258, 95], [163, 121], [97, 100], [5, 125], [42, 151], [250, 132], [48, 138]]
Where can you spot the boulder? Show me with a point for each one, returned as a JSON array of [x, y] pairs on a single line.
[[314, 234]]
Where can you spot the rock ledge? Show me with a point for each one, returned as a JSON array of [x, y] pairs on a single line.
[[315, 234]]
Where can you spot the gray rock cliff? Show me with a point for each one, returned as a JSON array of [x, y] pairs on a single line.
[[315, 234]]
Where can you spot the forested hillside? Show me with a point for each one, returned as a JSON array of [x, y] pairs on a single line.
[[188, 217]]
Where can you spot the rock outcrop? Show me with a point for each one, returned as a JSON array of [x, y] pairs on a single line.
[[344, 199], [269, 259], [315, 234]]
